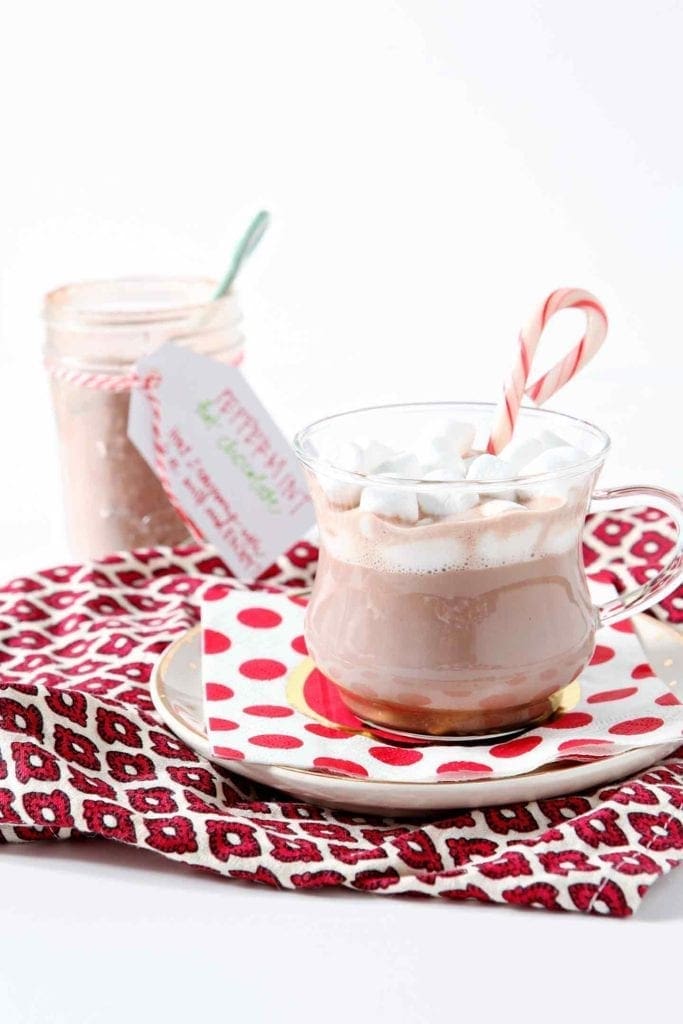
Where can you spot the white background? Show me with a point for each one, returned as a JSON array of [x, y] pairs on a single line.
[[433, 170]]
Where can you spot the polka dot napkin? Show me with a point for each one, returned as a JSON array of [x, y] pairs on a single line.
[[266, 703]]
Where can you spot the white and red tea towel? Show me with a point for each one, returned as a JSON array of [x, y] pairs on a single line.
[[83, 753]]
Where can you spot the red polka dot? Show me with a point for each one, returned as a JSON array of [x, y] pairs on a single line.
[[625, 626], [667, 700], [263, 668], [574, 744], [642, 671], [299, 599], [602, 654], [570, 720], [328, 731], [299, 645], [334, 764], [635, 726], [216, 691], [221, 724], [216, 592], [228, 753], [606, 695], [259, 618], [269, 711], [215, 642], [463, 768], [277, 740], [395, 755], [323, 697], [514, 748]]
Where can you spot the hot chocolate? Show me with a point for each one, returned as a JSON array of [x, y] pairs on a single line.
[[462, 625]]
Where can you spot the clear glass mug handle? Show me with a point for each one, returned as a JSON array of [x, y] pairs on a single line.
[[668, 578]]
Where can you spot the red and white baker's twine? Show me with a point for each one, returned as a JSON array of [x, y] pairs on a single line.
[[116, 383], [558, 375]]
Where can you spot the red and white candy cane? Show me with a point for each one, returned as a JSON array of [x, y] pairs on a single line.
[[126, 382], [540, 391]]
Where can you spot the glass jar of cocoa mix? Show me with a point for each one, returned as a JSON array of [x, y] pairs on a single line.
[[99, 330]]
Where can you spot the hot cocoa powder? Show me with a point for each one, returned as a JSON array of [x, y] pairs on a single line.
[[115, 501], [100, 330]]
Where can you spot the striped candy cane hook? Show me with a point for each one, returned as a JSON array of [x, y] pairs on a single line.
[[557, 376]]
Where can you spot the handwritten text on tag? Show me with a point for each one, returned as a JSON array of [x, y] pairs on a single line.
[[230, 468]]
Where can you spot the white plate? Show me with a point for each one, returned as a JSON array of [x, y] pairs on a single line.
[[177, 696]]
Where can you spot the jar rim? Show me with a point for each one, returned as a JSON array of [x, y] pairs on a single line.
[[83, 304]]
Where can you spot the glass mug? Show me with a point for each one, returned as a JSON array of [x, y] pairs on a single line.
[[463, 625]]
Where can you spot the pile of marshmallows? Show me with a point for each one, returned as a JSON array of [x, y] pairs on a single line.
[[442, 454]]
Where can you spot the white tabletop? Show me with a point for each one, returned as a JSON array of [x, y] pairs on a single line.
[[97, 932]]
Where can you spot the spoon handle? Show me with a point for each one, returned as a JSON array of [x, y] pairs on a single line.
[[245, 247]]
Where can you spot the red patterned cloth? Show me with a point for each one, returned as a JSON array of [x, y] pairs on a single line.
[[630, 547], [82, 752]]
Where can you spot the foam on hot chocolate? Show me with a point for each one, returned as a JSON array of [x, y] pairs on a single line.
[[545, 526], [431, 529]]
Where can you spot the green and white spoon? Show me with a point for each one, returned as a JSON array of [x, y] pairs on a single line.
[[245, 248]]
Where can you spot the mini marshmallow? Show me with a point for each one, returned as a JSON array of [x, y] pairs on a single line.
[[360, 456], [561, 457], [390, 503], [346, 455], [452, 469], [443, 439], [401, 466], [520, 453], [499, 507], [490, 469], [445, 501], [549, 439], [339, 492], [374, 454], [552, 460]]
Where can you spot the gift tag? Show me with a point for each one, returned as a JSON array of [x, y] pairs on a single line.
[[228, 465]]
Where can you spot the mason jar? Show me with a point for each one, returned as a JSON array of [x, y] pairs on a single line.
[[96, 333]]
